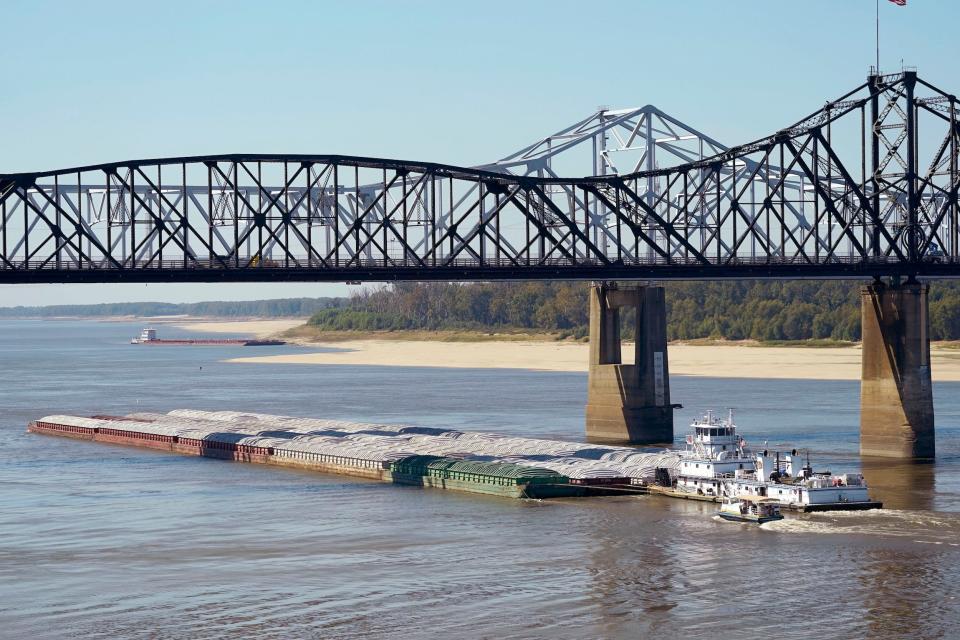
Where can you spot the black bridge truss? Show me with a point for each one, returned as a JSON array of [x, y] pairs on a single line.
[[866, 186]]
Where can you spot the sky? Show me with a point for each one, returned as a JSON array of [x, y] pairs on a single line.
[[452, 82]]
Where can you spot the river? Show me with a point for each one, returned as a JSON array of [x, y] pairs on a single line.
[[104, 541]]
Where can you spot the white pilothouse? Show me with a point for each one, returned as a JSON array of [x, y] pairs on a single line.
[[717, 464], [147, 335], [715, 453]]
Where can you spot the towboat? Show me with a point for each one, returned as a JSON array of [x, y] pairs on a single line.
[[146, 336], [750, 509], [718, 464], [714, 455]]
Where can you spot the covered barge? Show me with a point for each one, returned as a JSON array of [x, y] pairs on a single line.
[[495, 478], [715, 465]]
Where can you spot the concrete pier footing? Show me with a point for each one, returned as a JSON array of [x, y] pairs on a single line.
[[628, 403], [896, 394]]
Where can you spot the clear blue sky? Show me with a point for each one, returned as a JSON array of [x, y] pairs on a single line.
[[453, 82]]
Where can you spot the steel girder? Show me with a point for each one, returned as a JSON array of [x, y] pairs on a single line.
[[867, 185]]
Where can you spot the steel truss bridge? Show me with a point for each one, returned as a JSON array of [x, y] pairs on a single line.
[[867, 185]]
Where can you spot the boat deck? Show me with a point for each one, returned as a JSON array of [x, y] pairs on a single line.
[[670, 492]]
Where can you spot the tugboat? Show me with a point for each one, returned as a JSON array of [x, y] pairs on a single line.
[[753, 509], [715, 454], [717, 464], [147, 335]]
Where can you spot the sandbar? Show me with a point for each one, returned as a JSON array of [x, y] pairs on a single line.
[[718, 361], [256, 328]]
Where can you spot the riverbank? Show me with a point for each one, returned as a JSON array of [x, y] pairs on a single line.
[[541, 352], [716, 361], [308, 336], [254, 328]]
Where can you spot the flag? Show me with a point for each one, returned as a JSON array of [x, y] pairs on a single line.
[[899, 3]]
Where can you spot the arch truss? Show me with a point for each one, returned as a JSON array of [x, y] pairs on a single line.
[[867, 185]]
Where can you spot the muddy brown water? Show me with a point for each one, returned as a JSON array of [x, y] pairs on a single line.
[[101, 541]]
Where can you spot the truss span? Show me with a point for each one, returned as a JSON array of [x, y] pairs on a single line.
[[867, 185]]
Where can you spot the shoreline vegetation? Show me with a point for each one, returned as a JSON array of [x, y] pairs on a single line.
[[822, 312], [307, 335], [278, 308], [796, 330], [816, 313]]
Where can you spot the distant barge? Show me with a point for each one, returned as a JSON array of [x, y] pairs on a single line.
[[149, 336]]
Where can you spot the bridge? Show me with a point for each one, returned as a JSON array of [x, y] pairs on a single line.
[[841, 193], [865, 186]]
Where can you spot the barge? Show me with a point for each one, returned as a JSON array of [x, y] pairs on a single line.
[[149, 337], [716, 464], [500, 479]]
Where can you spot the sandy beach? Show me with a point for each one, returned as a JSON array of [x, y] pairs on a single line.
[[721, 361], [253, 328], [732, 360]]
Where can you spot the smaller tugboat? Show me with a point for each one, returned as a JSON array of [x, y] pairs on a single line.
[[149, 336], [753, 509]]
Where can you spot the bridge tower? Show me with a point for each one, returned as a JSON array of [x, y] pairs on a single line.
[[896, 395], [628, 403]]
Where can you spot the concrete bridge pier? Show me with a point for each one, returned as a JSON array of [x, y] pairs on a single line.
[[628, 403], [896, 394]]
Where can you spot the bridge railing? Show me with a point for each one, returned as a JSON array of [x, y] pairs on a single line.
[[250, 264]]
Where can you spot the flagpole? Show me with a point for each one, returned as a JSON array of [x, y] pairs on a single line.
[[878, 37]]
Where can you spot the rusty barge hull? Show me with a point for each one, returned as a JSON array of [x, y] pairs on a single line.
[[211, 342], [333, 465]]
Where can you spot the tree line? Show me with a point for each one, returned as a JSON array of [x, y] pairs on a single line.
[[279, 308], [767, 311], [758, 310]]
